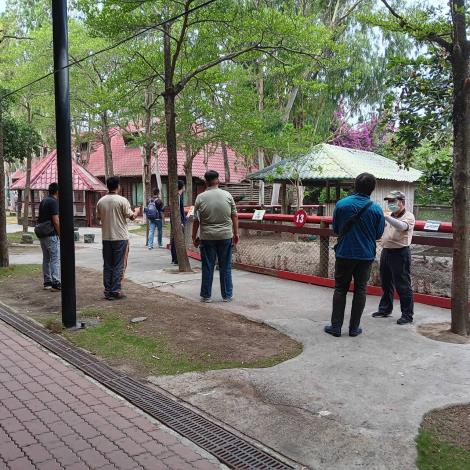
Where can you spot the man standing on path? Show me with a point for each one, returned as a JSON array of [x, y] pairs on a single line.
[[216, 217], [395, 260], [113, 211], [154, 213], [50, 243], [181, 189], [358, 223]]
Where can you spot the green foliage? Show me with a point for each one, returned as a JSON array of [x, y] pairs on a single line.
[[436, 164], [19, 140]]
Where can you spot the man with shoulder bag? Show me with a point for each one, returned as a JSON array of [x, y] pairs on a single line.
[[48, 232], [359, 223]]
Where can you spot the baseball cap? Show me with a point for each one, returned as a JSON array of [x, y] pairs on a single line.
[[395, 195]]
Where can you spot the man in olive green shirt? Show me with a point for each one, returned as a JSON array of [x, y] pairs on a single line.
[[216, 218]]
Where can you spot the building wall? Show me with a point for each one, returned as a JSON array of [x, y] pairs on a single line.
[[382, 189]]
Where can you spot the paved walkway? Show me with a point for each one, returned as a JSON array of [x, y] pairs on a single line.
[[53, 417], [344, 403]]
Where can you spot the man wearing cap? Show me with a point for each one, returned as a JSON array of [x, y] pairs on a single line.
[[395, 261]]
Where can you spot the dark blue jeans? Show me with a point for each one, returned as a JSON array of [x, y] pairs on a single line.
[[211, 251], [395, 265], [115, 262]]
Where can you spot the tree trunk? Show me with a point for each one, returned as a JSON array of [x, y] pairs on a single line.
[[226, 162], [171, 148], [3, 213], [108, 152], [461, 175], [148, 147], [26, 193], [260, 91], [188, 172]]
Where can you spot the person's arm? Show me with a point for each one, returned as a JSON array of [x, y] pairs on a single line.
[[56, 223], [398, 224], [129, 213], [236, 234], [234, 216], [380, 225], [335, 222], [195, 230]]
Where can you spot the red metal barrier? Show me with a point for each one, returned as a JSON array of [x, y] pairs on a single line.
[[445, 227]]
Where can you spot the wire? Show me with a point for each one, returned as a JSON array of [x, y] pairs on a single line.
[[108, 48]]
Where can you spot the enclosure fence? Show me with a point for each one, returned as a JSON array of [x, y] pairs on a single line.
[[275, 246]]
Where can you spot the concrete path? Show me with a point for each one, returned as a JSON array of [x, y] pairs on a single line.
[[344, 403], [53, 417]]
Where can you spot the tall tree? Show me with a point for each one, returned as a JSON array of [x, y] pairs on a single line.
[[199, 42], [448, 35]]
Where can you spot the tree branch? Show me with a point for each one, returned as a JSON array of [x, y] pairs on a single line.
[[179, 43], [431, 37]]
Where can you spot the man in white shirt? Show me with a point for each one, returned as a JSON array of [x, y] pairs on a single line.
[[395, 261], [113, 211]]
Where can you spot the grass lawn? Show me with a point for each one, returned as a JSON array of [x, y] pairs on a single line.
[[142, 230], [125, 343], [178, 335], [15, 237], [19, 270], [434, 454]]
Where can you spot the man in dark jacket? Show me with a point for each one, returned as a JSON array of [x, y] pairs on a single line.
[[49, 212], [359, 223]]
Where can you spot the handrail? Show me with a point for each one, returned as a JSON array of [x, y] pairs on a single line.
[[445, 227]]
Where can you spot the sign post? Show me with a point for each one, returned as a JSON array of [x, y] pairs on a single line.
[[64, 161]]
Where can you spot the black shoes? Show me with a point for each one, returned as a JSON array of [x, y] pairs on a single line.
[[56, 287], [404, 321], [381, 314], [333, 330], [355, 331]]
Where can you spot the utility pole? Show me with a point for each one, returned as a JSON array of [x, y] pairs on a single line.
[[64, 161]]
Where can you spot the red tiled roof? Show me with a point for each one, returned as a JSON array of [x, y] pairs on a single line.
[[127, 161], [44, 172]]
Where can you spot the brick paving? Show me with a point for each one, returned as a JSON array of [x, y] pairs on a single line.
[[53, 417]]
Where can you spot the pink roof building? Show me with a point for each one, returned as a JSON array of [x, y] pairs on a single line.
[[127, 160], [87, 189]]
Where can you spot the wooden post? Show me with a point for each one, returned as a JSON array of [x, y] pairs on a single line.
[[284, 198], [338, 193], [324, 253]]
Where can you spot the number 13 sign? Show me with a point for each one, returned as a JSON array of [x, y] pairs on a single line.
[[300, 218]]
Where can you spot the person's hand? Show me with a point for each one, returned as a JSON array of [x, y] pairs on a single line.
[[137, 212], [236, 239]]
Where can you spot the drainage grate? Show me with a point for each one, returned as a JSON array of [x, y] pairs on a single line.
[[229, 448]]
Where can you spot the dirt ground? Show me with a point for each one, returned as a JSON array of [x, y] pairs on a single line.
[[451, 425], [441, 332], [193, 328], [431, 269]]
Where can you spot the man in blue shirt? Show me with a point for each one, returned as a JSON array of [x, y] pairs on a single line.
[[358, 223]]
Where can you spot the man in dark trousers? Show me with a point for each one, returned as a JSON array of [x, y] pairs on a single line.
[[358, 223], [49, 212], [181, 189], [113, 211], [216, 218], [395, 260]]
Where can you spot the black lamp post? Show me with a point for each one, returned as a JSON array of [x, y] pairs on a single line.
[[64, 161]]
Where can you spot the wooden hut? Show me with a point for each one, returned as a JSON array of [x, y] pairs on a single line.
[[87, 189], [335, 169]]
